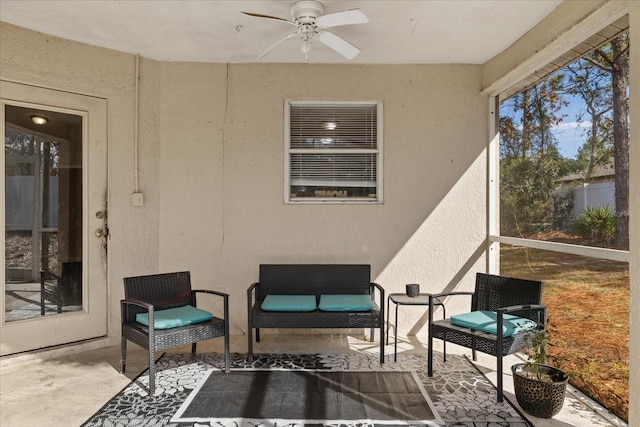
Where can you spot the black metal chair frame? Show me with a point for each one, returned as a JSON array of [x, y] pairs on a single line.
[[503, 295], [148, 294]]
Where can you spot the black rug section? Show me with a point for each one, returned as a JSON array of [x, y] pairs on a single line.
[[314, 396]]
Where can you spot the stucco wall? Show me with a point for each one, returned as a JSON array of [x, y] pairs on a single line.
[[221, 175], [210, 151]]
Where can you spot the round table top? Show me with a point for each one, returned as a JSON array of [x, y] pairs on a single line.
[[404, 299]]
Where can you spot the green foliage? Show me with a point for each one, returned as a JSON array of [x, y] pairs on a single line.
[[597, 224], [536, 342], [530, 162], [526, 193]]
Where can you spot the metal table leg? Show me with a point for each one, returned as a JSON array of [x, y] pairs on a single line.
[[388, 306], [395, 337]]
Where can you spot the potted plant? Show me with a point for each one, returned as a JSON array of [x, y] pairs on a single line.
[[539, 388]]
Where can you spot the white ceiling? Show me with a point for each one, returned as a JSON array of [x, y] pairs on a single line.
[[398, 32]]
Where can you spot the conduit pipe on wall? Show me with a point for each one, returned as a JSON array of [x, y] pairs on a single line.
[[136, 197]]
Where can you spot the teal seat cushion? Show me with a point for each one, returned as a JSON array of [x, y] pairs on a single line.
[[289, 303], [174, 317], [487, 321], [345, 303]]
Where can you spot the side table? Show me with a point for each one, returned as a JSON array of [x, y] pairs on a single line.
[[403, 299]]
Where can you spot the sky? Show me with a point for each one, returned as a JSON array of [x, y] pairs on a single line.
[[570, 133], [570, 136]]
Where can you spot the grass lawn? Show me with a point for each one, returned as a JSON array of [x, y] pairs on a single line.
[[588, 308]]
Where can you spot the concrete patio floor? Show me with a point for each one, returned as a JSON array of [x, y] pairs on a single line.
[[65, 386]]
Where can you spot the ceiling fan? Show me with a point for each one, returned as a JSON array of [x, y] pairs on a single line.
[[307, 16]]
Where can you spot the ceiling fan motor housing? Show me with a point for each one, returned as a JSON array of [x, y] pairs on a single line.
[[306, 11]]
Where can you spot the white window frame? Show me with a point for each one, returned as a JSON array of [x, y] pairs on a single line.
[[288, 151]]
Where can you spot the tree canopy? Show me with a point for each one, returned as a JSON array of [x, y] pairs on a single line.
[[531, 165]]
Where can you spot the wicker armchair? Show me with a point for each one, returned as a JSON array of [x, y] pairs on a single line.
[[148, 294], [502, 295]]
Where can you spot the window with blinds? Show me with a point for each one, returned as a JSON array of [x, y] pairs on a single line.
[[333, 151]]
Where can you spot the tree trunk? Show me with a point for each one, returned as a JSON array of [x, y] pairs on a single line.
[[620, 76], [526, 128]]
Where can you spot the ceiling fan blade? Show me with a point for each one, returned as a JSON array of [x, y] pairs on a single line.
[[338, 44], [260, 15], [275, 45], [347, 17]]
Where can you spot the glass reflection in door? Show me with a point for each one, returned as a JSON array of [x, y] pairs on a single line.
[[43, 213]]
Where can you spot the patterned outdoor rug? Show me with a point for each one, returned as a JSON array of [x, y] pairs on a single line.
[[292, 390]]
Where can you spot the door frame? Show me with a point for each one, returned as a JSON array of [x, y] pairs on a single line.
[[90, 322]]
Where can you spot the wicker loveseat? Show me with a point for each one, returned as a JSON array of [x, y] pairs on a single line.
[[333, 287]]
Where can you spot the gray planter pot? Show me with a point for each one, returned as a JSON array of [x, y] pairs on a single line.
[[413, 290], [540, 398]]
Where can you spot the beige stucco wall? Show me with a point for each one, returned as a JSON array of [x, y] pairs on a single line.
[[221, 175], [210, 151]]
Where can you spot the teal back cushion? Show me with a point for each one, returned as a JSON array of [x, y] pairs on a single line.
[[174, 317], [289, 303], [345, 303], [487, 321]]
